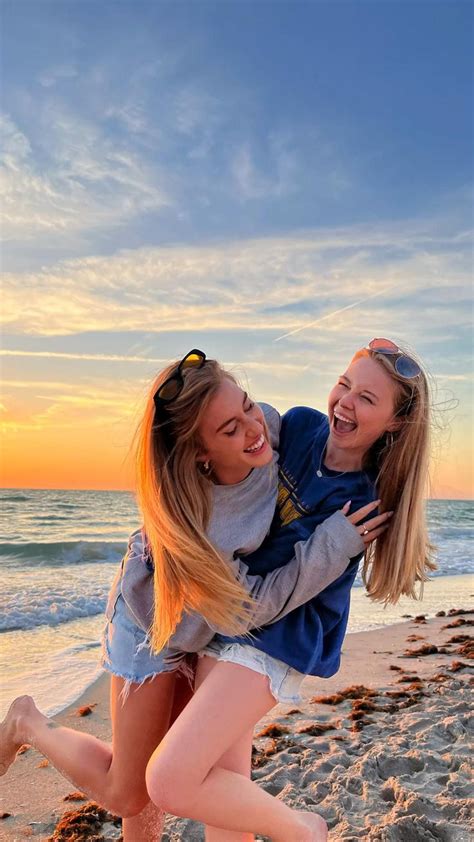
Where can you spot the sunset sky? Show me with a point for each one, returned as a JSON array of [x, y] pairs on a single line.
[[273, 182]]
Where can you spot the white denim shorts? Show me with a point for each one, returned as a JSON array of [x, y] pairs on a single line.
[[285, 682]]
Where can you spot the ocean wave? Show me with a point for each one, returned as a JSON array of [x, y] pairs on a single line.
[[62, 552], [49, 608], [50, 518], [14, 498]]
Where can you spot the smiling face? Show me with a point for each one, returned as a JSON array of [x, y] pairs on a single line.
[[233, 435], [361, 408]]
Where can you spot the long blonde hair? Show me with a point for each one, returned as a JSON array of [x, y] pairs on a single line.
[[174, 496], [403, 555]]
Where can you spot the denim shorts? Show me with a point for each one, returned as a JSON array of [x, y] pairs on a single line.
[[126, 651], [285, 682]]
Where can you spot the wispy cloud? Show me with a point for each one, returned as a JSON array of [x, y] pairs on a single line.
[[65, 355], [275, 285], [55, 73], [283, 366], [38, 405], [276, 176], [85, 180]]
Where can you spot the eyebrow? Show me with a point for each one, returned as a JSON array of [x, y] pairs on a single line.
[[345, 377], [231, 419]]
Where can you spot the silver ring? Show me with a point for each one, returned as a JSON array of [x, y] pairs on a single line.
[[366, 532]]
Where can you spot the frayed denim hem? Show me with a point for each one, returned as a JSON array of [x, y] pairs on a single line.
[[179, 663], [134, 684], [284, 682]]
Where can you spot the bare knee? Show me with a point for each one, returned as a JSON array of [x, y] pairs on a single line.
[[128, 800], [168, 786]]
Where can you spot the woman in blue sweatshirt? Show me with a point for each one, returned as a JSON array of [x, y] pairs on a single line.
[[376, 436]]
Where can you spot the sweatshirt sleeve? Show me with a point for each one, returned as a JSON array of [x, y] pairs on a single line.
[[136, 581], [317, 562]]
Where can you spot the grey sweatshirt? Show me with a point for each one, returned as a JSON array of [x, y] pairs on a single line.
[[240, 520]]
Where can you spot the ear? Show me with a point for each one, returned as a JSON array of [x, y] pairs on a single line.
[[202, 456], [395, 424]]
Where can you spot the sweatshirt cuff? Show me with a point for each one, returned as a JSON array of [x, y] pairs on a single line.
[[345, 535]]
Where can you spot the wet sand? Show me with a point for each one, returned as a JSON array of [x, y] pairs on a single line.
[[381, 750]]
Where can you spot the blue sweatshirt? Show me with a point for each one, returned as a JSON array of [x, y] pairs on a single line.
[[310, 637]]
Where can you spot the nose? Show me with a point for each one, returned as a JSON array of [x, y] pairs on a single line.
[[347, 400], [254, 428]]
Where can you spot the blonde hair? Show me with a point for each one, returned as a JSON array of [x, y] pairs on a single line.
[[403, 555], [174, 496]]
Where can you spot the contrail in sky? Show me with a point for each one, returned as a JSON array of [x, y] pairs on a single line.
[[334, 313]]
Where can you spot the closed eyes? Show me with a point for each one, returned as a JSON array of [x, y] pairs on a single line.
[[250, 406]]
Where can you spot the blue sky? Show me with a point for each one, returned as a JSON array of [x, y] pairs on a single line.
[[221, 175]]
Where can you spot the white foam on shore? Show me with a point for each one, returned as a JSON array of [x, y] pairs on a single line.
[[53, 664], [52, 597], [57, 664]]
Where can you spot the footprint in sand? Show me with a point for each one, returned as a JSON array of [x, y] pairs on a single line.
[[392, 766], [412, 829]]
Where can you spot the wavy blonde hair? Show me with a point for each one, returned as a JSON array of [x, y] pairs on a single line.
[[403, 555], [174, 496]]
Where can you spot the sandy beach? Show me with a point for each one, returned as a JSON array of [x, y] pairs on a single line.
[[381, 749]]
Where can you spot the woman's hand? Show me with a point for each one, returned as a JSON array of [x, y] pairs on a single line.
[[368, 529]]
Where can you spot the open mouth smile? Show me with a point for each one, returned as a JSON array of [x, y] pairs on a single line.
[[342, 424], [257, 446]]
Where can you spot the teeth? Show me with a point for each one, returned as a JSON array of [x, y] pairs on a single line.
[[258, 444], [343, 418]]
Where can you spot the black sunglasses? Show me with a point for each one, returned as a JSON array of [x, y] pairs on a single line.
[[171, 388]]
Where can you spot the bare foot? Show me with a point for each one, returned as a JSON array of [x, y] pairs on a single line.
[[315, 828], [12, 734]]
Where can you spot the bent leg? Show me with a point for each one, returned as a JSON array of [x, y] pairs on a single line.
[[147, 826], [114, 776], [182, 776], [238, 758]]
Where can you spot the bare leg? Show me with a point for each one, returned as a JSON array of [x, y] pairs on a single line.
[[147, 826], [182, 776], [238, 758], [112, 775]]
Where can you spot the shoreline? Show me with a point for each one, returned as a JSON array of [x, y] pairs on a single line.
[[321, 756], [446, 591]]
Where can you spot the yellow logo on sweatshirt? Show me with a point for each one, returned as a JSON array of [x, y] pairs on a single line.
[[287, 510]]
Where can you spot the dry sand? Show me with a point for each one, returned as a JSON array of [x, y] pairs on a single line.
[[387, 762]]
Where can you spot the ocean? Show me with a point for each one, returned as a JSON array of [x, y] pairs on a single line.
[[59, 552]]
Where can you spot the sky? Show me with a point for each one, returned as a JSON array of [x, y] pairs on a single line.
[[273, 182]]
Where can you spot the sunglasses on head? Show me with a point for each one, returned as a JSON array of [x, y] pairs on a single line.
[[173, 385], [404, 365]]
